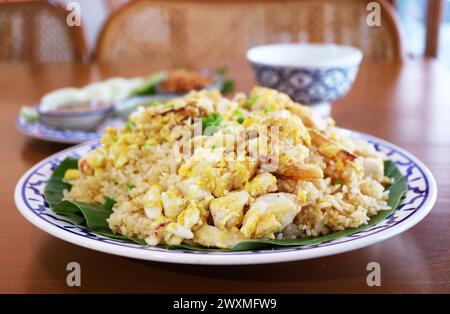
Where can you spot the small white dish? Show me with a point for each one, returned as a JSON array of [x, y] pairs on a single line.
[[415, 205], [75, 115]]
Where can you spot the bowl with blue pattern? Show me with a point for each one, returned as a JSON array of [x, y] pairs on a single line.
[[312, 74]]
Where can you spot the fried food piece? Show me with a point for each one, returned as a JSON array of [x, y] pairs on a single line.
[[181, 81]]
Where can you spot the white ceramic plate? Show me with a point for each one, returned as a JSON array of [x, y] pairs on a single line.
[[417, 203], [40, 131]]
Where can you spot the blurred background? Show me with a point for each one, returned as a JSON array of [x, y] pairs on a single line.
[[114, 30], [401, 94]]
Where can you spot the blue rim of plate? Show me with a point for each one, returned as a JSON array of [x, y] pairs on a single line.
[[415, 205], [40, 131]]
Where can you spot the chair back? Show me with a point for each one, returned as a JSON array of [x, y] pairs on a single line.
[[37, 31], [222, 30]]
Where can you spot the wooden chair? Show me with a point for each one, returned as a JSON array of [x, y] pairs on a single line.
[[183, 31], [36, 31]]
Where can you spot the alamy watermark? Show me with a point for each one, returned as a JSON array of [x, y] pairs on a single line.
[[74, 16], [374, 17], [73, 278], [373, 279]]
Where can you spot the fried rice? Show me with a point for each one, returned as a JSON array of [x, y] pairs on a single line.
[[214, 171]]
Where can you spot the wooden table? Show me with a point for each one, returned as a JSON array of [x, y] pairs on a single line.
[[407, 104]]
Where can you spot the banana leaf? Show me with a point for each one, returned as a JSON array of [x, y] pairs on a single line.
[[94, 216]]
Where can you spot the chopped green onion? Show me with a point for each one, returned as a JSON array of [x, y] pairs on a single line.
[[30, 114], [266, 110], [227, 87], [128, 126], [130, 185], [155, 103], [250, 102], [148, 86], [171, 106], [211, 122], [213, 146], [237, 112]]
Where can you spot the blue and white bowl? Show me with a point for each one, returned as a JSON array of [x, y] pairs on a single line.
[[309, 73]]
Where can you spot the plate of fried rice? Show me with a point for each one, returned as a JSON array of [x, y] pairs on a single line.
[[204, 179]]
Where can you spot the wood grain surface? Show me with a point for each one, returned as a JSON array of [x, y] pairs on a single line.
[[405, 103]]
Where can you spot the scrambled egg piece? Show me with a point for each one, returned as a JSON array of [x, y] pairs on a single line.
[[261, 184], [211, 236], [191, 217], [152, 202], [228, 211], [178, 230], [268, 214], [71, 174], [173, 203]]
